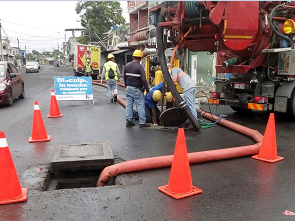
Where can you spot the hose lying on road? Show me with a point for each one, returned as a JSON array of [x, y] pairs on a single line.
[[196, 157]]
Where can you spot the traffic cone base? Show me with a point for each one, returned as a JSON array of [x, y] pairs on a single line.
[[268, 148], [268, 160], [180, 181], [177, 196], [60, 115], [39, 140], [21, 198]]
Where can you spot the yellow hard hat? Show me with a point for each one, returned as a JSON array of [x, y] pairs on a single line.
[[110, 55], [169, 97], [137, 53], [157, 95]]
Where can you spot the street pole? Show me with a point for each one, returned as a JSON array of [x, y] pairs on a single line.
[[1, 46], [89, 34], [19, 51], [25, 54]]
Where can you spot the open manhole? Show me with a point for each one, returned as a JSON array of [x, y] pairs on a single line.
[[73, 179], [79, 165]]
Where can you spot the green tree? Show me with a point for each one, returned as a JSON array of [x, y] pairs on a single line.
[[99, 16], [48, 53], [35, 52]]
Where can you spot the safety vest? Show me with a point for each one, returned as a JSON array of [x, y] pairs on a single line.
[[107, 67], [88, 67], [178, 77]]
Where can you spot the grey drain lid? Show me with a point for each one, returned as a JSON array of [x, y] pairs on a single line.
[[83, 156]]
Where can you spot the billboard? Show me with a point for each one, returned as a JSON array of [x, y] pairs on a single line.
[[73, 88]]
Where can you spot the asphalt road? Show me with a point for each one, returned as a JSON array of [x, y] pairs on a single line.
[[237, 189]]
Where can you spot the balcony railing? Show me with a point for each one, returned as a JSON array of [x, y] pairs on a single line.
[[133, 4], [143, 22], [134, 26]]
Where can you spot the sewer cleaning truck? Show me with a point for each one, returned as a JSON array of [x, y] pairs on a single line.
[[253, 40]]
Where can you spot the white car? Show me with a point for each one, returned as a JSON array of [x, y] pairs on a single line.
[[32, 67]]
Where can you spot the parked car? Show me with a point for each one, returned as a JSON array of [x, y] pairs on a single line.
[[32, 66], [11, 83], [38, 64]]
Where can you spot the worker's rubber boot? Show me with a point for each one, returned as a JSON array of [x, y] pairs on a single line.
[[144, 125], [129, 123], [115, 98], [188, 125]]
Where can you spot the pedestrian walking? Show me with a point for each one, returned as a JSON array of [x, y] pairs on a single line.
[[189, 89], [136, 83], [88, 70], [110, 72]]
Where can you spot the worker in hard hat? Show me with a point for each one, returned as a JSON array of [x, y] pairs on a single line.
[[152, 113], [111, 72], [189, 89], [169, 100], [88, 69], [136, 83]]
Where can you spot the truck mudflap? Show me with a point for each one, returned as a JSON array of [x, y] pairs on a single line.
[[252, 106]]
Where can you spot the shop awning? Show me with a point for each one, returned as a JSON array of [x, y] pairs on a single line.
[[119, 51]]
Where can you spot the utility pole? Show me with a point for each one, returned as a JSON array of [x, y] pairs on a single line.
[[1, 46], [17, 44], [89, 34], [25, 54], [19, 51], [65, 46]]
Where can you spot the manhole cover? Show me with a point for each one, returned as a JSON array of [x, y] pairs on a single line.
[[83, 156]]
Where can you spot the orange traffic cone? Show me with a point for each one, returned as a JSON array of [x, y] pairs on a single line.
[[38, 131], [10, 189], [54, 109], [180, 181], [268, 149]]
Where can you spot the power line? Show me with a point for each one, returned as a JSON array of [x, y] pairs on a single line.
[[30, 35], [31, 40], [30, 26], [5, 33]]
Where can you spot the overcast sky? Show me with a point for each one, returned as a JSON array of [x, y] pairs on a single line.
[[40, 25]]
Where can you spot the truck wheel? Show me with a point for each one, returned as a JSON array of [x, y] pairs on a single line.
[[240, 109], [291, 106]]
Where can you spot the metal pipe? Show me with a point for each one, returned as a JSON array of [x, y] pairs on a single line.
[[230, 62]]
